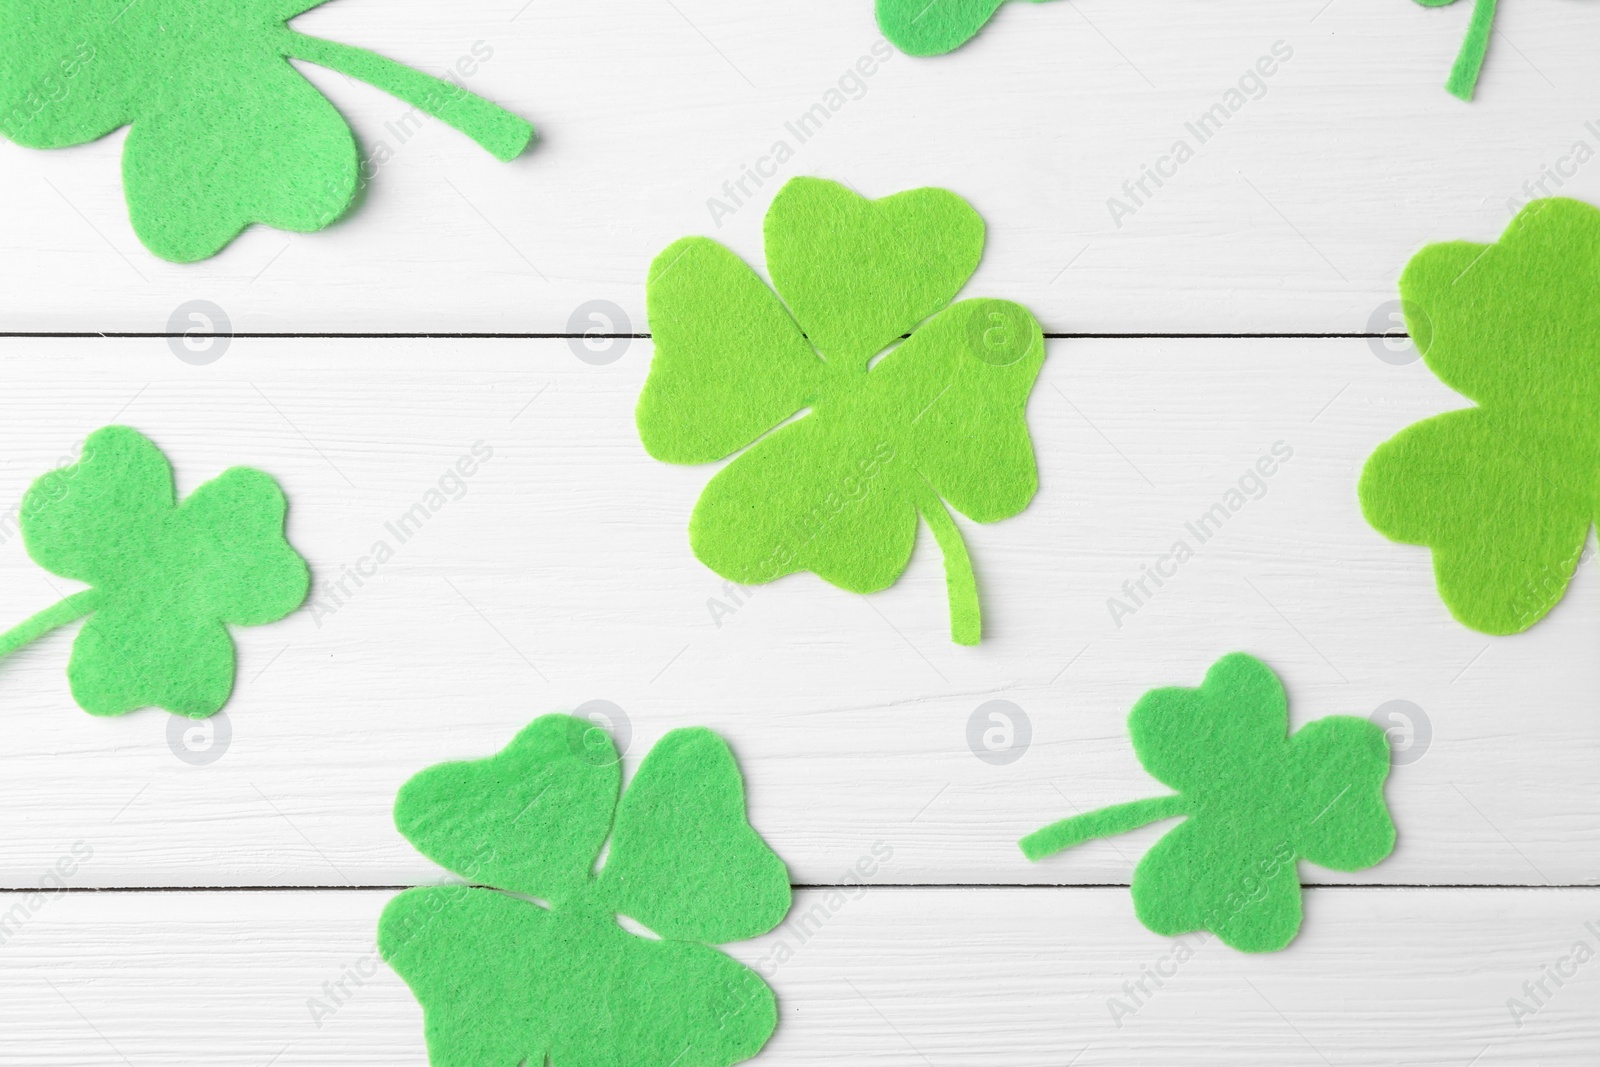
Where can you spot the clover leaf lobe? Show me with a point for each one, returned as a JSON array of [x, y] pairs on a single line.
[[1215, 737], [530, 818], [858, 274], [684, 859], [730, 362], [89, 521]]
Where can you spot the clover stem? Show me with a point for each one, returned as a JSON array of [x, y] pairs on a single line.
[[961, 585], [1464, 75], [31, 629], [501, 133], [1106, 822]]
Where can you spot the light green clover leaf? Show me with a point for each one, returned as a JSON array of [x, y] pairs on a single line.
[[504, 980], [225, 131], [1503, 493], [167, 578], [1255, 798], [889, 432]]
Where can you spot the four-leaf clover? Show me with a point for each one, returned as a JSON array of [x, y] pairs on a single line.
[[225, 132], [505, 980], [888, 432], [1503, 493], [167, 579], [1255, 800]]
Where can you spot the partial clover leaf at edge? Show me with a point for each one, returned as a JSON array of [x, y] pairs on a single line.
[[503, 978], [225, 132], [1502, 493]]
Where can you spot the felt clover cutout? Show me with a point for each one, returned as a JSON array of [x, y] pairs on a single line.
[[1255, 801], [933, 27], [225, 132], [1503, 493], [167, 579], [504, 980], [1464, 74], [888, 436]]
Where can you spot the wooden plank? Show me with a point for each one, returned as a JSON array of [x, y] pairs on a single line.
[[1035, 978], [1295, 214], [563, 575]]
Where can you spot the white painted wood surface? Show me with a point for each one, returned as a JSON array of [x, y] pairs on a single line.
[[896, 977], [563, 573], [1297, 216]]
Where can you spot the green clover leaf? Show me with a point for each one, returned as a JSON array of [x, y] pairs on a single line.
[[167, 578], [885, 437], [1469, 61], [1256, 800], [1503, 493], [505, 980], [933, 27], [224, 131]]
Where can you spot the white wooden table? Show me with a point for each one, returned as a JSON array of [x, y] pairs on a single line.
[[1227, 314]]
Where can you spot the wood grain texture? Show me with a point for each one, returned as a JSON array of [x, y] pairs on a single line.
[[563, 575], [897, 977], [1296, 216], [559, 571]]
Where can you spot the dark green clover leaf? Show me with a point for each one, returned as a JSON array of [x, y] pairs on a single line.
[[505, 980], [1503, 492], [1464, 75], [167, 578], [887, 432], [225, 131], [1255, 801]]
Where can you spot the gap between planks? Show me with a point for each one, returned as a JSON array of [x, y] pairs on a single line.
[[853, 886], [122, 335]]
